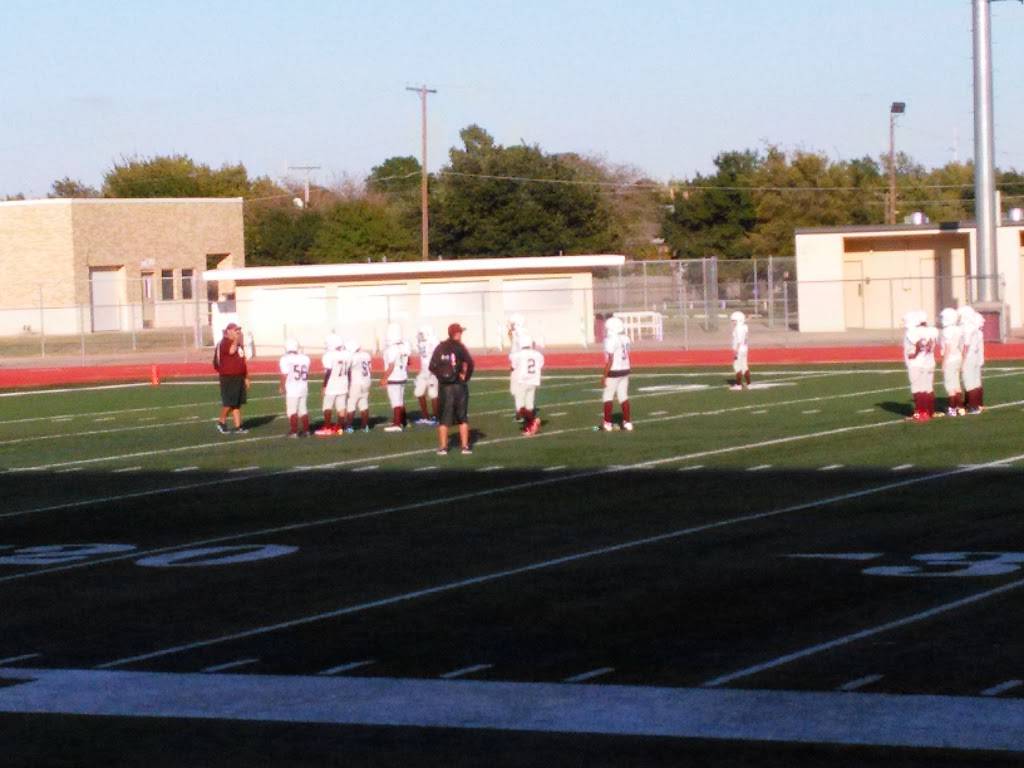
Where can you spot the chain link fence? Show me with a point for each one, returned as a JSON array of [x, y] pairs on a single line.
[[678, 304]]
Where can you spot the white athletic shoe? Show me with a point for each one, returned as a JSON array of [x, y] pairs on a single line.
[[735, 387], [628, 426], [606, 426], [393, 428]]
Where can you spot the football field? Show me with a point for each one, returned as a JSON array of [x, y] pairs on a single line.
[[790, 575]]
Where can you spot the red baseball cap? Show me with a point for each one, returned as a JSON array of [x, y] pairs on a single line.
[[232, 326], [455, 328]]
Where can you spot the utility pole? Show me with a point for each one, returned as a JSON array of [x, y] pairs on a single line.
[[307, 169], [424, 203], [984, 152], [897, 108]]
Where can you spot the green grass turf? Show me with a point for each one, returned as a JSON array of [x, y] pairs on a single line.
[[672, 614], [157, 429]]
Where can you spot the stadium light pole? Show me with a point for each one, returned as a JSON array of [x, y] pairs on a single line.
[[424, 199], [897, 108], [984, 152]]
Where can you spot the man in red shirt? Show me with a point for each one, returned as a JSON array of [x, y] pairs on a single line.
[[229, 360]]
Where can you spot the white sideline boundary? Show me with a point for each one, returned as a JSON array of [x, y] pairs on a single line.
[[863, 719], [546, 564]]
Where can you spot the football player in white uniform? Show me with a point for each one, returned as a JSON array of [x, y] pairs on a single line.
[[336, 361], [615, 378], [526, 367], [952, 361], [919, 344], [426, 382], [396, 373], [740, 334], [360, 382], [974, 358], [515, 328], [294, 385]]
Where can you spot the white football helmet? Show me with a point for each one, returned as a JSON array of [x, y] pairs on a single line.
[[612, 326], [516, 321], [738, 317], [291, 345], [525, 340], [948, 317], [394, 334], [333, 341], [352, 345]]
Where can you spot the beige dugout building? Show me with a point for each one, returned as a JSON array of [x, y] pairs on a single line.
[[868, 277], [92, 265]]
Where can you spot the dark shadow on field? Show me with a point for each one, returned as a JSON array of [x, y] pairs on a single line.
[[255, 422], [900, 409]]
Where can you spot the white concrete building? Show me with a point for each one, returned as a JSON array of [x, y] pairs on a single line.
[[553, 293], [869, 276]]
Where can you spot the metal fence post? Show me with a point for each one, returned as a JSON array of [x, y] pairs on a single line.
[[42, 324], [892, 309], [643, 266], [771, 293], [756, 308], [785, 302], [707, 298]]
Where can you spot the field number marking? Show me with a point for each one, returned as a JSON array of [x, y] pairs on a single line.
[[934, 565], [59, 554]]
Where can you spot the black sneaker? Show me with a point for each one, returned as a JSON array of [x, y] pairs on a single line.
[[222, 428]]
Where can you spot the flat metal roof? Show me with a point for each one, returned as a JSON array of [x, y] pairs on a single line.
[[396, 269]]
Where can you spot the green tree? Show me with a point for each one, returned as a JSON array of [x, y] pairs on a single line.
[[360, 229], [180, 176], [68, 187], [396, 176], [715, 215], [278, 235], [516, 201]]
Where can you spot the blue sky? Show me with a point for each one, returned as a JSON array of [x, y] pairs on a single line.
[[661, 85]]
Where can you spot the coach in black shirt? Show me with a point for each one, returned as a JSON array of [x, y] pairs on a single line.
[[453, 366]]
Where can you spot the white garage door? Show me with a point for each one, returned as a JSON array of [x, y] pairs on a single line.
[[106, 286]]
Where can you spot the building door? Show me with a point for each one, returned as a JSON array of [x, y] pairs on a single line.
[[148, 299], [105, 291], [853, 293]]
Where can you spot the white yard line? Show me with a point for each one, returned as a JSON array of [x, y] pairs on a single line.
[[136, 468], [830, 467], [691, 468], [860, 682], [759, 467], [252, 468], [347, 667], [810, 412], [902, 467], [589, 675], [456, 673], [185, 469], [367, 468], [23, 657], [555, 468], [230, 665], [518, 571], [431, 468], [996, 690]]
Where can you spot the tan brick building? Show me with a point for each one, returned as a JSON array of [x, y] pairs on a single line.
[[92, 265]]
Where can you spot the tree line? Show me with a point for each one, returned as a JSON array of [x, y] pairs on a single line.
[[491, 200]]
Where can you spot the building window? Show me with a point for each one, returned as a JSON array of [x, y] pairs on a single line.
[[167, 284], [186, 283]]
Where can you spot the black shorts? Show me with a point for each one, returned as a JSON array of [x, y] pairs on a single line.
[[232, 391], [453, 403]]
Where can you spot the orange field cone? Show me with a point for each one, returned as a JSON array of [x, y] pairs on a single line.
[[154, 377]]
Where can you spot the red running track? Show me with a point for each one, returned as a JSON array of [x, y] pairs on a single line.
[[46, 377]]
